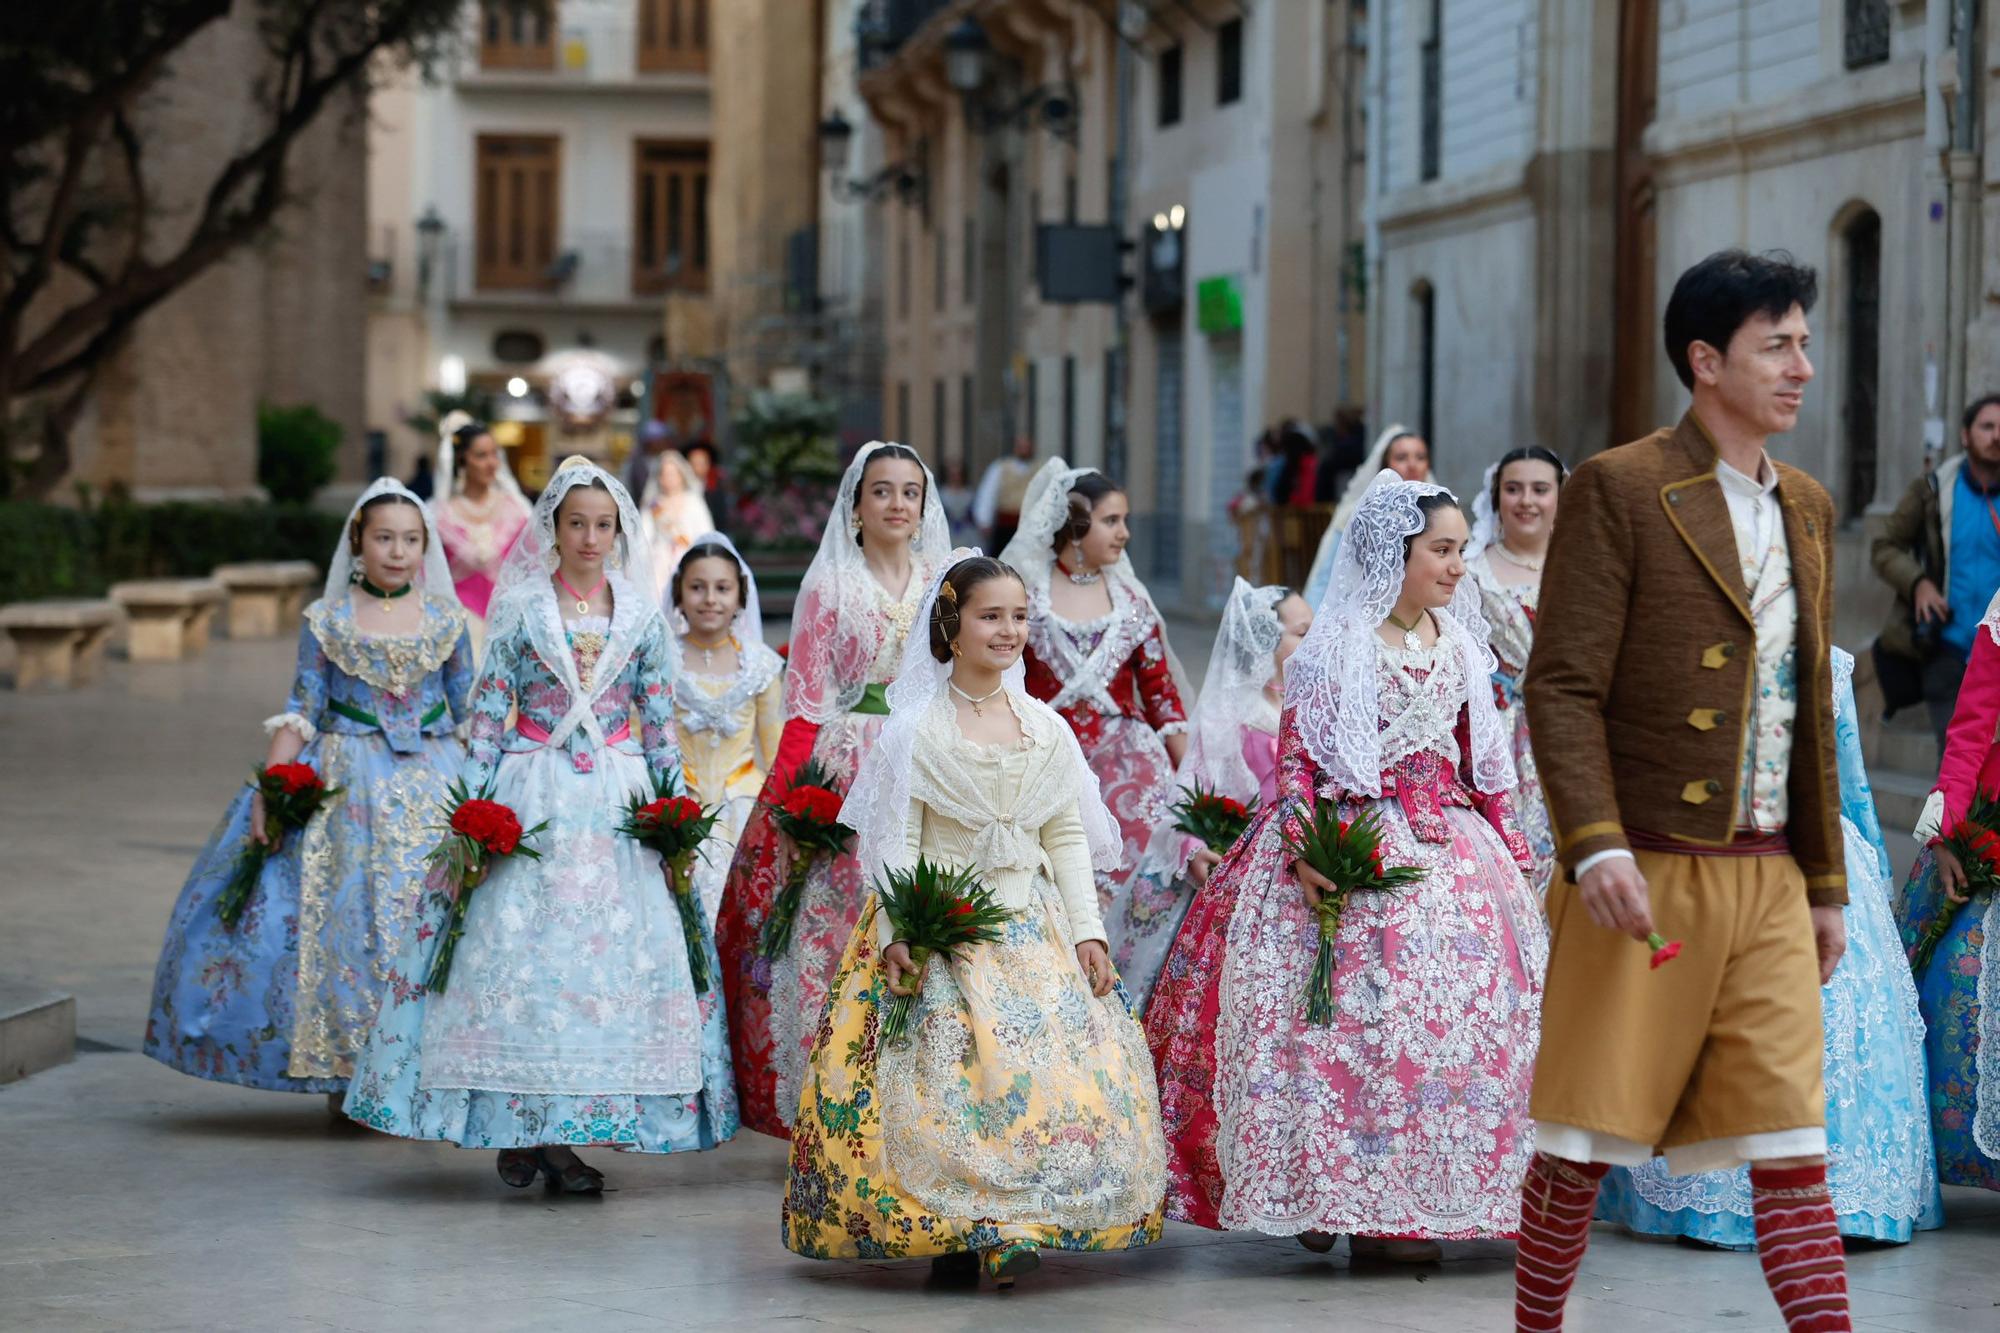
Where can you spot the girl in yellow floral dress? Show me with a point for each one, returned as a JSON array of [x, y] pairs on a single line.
[[1019, 1112]]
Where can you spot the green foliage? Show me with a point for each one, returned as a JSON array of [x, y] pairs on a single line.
[[438, 405], [786, 439], [295, 451], [54, 551]]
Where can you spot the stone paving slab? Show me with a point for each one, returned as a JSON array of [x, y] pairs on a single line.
[[138, 1198]]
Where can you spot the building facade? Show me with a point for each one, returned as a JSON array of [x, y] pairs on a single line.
[[1246, 205], [1541, 173], [534, 210]]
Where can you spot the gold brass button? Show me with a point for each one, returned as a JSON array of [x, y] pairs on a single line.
[[1707, 719], [1699, 792], [1717, 655]]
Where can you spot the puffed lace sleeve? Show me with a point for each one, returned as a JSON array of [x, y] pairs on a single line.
[[309, 689]]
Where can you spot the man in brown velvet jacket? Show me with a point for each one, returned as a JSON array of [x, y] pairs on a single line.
[[1681, 703]]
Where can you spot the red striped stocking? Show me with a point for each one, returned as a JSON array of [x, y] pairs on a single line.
[[1556, 1202], [1798, 1242]]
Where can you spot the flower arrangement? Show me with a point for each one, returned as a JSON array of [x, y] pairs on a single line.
[[477, 829], [1975, 841], [808, 814], [1215, 819], [1348, 853], [936, 912], [292, 793], [675, 825]]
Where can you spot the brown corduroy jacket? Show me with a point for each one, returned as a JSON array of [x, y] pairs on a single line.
[[1639, 686]]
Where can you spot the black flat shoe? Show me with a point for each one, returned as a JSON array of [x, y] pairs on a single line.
[[520, 1166], [576, 1178], [959, 1268]]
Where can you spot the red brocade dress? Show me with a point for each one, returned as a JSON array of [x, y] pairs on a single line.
[[1109, 679], [775, 1004], [1408, 1115]]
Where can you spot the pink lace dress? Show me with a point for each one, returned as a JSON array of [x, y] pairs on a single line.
[[1408, 1116]]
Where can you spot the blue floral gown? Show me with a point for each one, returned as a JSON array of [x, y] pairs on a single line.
[[284, 1000], [570, 1015], [1880, 1166]]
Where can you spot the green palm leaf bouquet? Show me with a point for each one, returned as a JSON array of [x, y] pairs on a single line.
[[1348, 852], [935, 911]]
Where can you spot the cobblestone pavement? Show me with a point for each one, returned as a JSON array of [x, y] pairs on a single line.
[[136, 1198]]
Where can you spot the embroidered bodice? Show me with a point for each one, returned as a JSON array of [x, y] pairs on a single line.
[[406, 686], [477, 537], [513, 675], [1007, 811], [729, 725], [1424, 731], [1112, 666], [1510, 615], [829, 669]]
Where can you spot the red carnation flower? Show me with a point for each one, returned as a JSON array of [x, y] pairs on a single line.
[[1664, 952], [294, 778], [962, 908], [683, 808], [651, 812], [488, 823]]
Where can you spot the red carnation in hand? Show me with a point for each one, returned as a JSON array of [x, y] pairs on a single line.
[[488, 823], [1663, 951], [683, 808], [814, 803], [651, 812], [963, 908], [295, 778]]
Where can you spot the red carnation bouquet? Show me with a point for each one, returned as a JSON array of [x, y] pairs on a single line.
[[1216, 819], [675, 826], [1976, 844], [292, 792], [809, 815], [1349, 854], [936, 912], [477, 829]]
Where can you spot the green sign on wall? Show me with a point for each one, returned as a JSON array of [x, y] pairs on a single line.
[[1218, 305]]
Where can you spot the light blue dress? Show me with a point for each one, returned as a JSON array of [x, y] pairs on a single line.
[[1880, 1166], [284, 1000], [570, 1015]]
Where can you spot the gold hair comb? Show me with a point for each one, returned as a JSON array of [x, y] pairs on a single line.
[[574, 460], [949, 593]]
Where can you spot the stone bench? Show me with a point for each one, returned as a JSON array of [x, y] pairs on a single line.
[[266, 599], [170, 618], [58, 644]]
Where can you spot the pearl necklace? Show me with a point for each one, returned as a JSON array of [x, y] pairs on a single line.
[[1532, 564], [978, 704]]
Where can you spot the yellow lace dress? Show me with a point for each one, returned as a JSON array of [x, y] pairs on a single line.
[[729, 728], [1020, 1108]]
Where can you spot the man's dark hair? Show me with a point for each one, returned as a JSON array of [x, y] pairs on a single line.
[[1976, 406], [1714, 298]]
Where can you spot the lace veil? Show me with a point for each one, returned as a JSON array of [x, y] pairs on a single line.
[[749, 624], [1031, 552], [525, 595], [877, 807], [447, 461], [838, 627], [344, 567], [1485, 521], [1331, 687]]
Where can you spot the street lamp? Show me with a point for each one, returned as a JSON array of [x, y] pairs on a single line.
[[969, 67], [430, 235], [905, 180]]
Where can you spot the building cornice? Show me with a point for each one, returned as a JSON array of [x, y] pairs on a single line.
[[1481, 191], [1857, 109]]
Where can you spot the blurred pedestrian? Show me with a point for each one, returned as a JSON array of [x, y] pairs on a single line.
[[1940, 551]]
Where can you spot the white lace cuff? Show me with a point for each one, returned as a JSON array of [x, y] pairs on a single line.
[[1929, 822], [1174, 729], [296, 721]]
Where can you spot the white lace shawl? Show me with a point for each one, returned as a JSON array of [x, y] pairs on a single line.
[[343, 566], [877, 807], [526, 597], [1332, 689], [818, 686]]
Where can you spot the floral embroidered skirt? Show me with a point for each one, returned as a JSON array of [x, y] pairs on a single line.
[[1408, 1115], [1880, 1166], [285, 1000], [775, 1003], [1019, 1107], [1959, 994], [570, 1016], [1156, 902], [1135, 776]]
